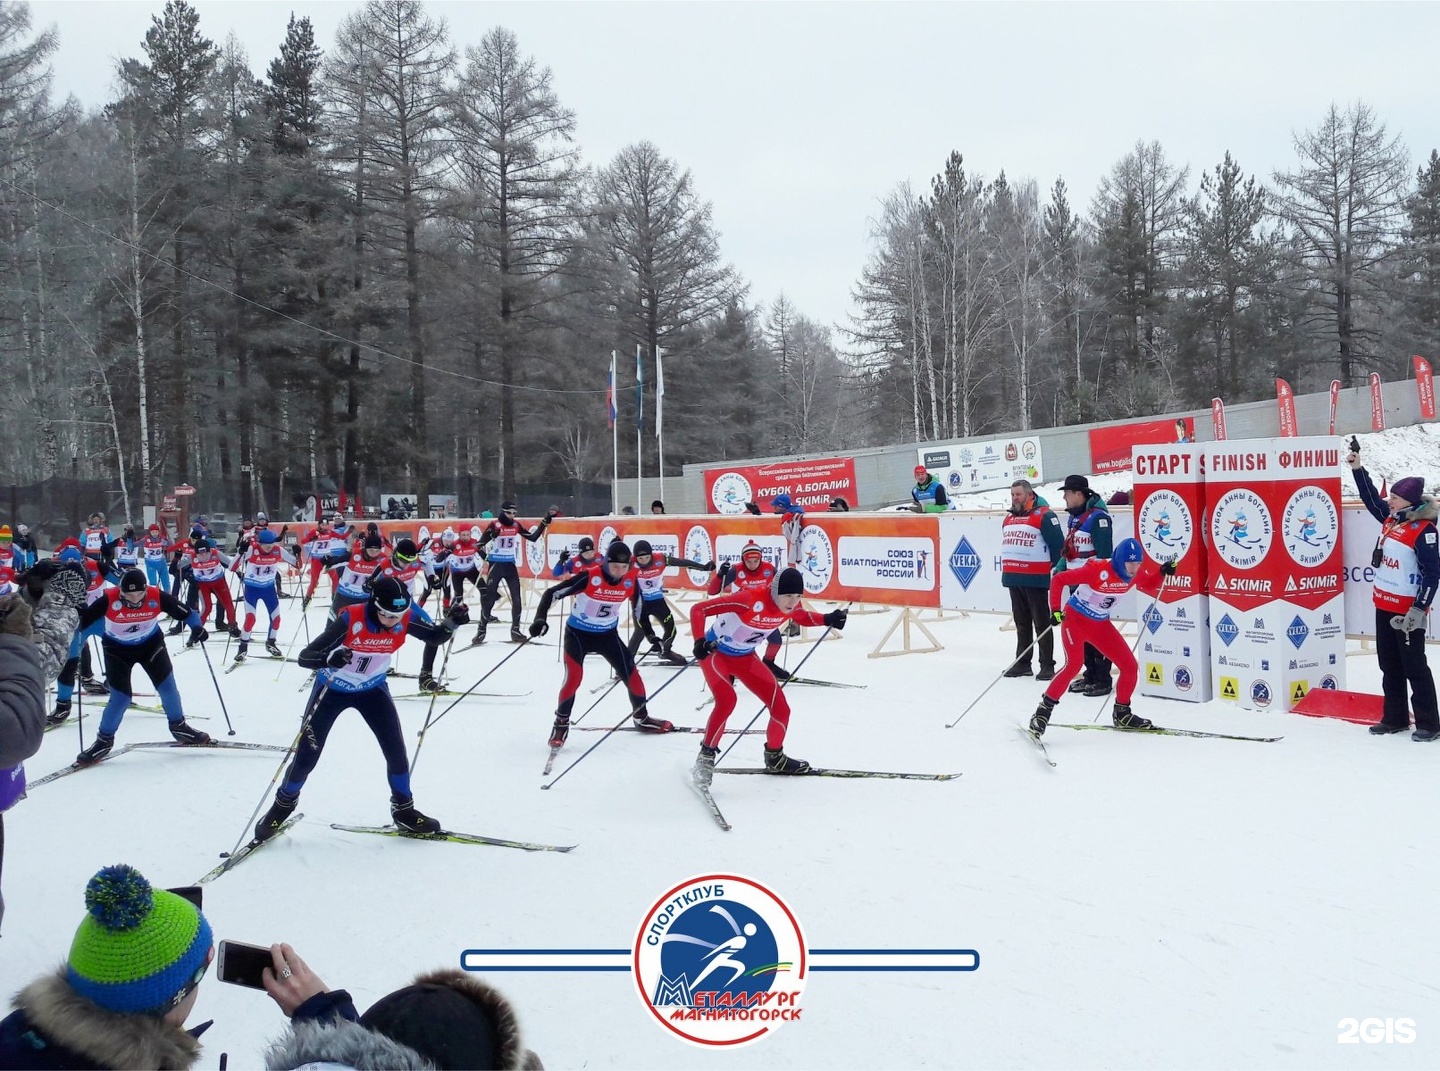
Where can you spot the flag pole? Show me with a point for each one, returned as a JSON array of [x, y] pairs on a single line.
[[660, 414], [639, 431], [614, 441]]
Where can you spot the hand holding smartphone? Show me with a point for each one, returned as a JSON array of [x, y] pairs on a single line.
[[242, 964]]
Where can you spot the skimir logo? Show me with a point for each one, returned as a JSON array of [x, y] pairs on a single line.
[[1165, 526], [1240, 528], [1227, 630], [698, 549], [1153, 619], [1310, 526], [964, 563], [730, 492], [720, 961], [1297, 632], [816, 558]]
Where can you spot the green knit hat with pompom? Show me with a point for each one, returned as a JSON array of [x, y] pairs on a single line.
[[138, 947]]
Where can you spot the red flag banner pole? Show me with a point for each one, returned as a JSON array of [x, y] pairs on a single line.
[[1334, 402], [1285, 398], [1217, 418], [1377, 403], [1424, 386]]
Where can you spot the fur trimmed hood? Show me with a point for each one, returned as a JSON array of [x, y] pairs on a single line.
[[1427, 509], [341, 1043], [58, 1018], [432, 1027]]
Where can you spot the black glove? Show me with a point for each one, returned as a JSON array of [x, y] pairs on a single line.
[[539, 627], [709, 567], [704, 648], [1057, 616], [723, 573], [459, 614], [70, 582], [564, 557], [338, 658], [198, 634], [1170, 568], [837, 618]]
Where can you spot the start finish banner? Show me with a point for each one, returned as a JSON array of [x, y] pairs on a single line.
[[1277, 578], [808, 483], [886, 558], [1169, 508]]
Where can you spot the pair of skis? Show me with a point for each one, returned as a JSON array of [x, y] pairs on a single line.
[[76, 767], [1158, 730], [708, 798]]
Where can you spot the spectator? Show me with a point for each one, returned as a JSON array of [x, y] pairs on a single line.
[[122, 996], [790, 528], [839, 505], [627, 511], [1090, 534], [25, 545], [1407, 573], [928, 493], [657, 506], [1031, 545], [1119, 498]]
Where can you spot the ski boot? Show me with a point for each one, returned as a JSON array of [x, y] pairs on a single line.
[[404, 815], [646, 723], [559, 731], [187, 735], [516, 636], [491, 619], [703, 772], [778, 673], [279, 812], [479, 636], [273, 649], [176, 629], [1124, 719], [235, 630], [59, 714], [1041, 717], [429, 684], [241, 650], [96, 751], [777, 762], [674, 659], [93, 686]]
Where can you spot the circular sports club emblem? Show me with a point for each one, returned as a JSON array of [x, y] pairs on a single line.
[[1311, 525], [1241, 528], [720, 961], [730, 492], [816, 559], [698, 548], [1165, 526], [608, 535]]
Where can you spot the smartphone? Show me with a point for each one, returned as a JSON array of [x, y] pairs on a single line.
[[242, 964], [194, 893]]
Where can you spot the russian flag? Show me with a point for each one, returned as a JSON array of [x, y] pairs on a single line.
[[610, 392]]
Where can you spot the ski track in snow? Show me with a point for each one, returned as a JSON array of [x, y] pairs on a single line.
[[1153, 901]]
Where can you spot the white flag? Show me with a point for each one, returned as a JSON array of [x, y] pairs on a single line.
[[659, 393]]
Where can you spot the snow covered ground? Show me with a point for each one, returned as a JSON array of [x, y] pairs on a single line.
[[1150, 902]]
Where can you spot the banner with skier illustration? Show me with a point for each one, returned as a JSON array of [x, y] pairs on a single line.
[[812, 484]]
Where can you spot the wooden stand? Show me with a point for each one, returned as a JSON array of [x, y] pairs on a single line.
[[905, 621]]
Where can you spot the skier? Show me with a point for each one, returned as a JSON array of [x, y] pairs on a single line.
[[133, 638], [463, 564], [726, 653], [363, 561], [126, 550], [1089, 534], [1407, 571], [585, 553], [502, 536], [1085, 619], [154, 547], [208, 569], [433, 553], [324, 549], [95, 538], [353, 658], [753, 573], [928, 493], [600, 591], [261, 562], [650, 576]]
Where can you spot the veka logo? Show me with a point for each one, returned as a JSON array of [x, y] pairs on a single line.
[[1376, 1031], [1154, 619], [964, 563], [1227, 630], [1297, 632]]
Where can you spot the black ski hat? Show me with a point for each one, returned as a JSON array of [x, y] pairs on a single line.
[[406, 550], [618, 552], [133, 580], [643, 547], [586, 543], [374, 542], [507, 506], [789, 582], [389, 594]]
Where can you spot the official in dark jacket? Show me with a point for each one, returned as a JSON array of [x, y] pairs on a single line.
[[1089, 534]]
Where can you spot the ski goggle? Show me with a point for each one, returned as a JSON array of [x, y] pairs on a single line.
[[403, 558]]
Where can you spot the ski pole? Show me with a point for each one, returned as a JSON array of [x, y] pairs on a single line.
[[444, 665], [310, 709], [79, 694], [616, 727], [780, 687], [304, 623], [518, 648], [211, 666], [1023, 654]]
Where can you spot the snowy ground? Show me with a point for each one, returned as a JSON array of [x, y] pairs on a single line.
[[1151, 902]]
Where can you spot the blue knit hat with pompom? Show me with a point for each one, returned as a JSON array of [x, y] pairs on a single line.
[[138, 947]]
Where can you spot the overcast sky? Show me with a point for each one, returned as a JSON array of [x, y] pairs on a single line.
[[796, 119]]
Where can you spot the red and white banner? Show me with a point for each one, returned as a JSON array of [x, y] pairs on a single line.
[[1334, 402], [1285, 399], [1424, 386], [1217, 418], [1110, 447], [982, 466], [808, 483], [1377, 404]]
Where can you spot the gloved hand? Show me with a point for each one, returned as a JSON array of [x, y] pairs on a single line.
[[724, 574], [1353, 457], [564, 557], [198, 634], [1170, 568], [704, 648], [458, 614], [836, 618], [338, 658], [539, 627], [709, 567], [1412, 619], [1057, 616]]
